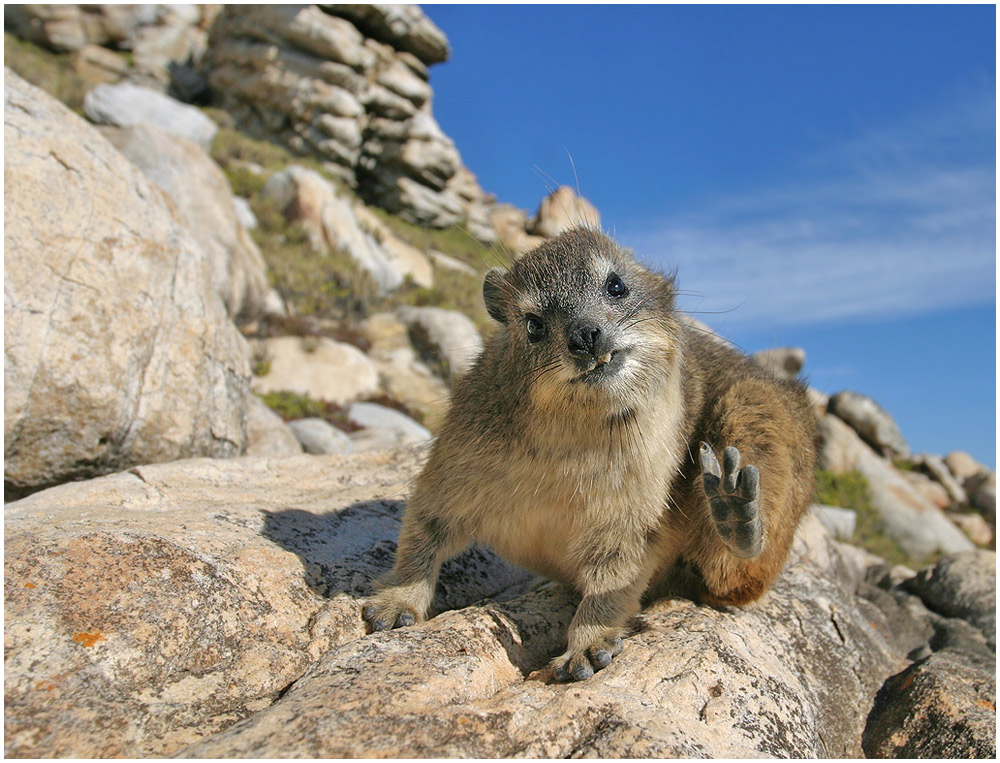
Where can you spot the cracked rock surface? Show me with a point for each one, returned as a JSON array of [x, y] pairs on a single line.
[[211, 608]]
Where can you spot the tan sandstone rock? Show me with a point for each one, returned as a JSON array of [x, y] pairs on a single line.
[[561, 210], [149, 609], [117, 349], [321, 368]]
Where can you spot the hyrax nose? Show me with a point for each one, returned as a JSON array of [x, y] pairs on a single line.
[[584, 339]]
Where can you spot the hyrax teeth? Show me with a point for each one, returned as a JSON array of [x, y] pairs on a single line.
[[605, 358]]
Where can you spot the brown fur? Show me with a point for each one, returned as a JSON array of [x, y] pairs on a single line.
[[599, 485]]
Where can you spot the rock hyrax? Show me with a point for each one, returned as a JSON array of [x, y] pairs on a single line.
[[585, 444]]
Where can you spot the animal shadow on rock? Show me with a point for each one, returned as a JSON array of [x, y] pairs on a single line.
[[347, 550]]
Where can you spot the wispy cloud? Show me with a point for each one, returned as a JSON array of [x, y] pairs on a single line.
[[897, 222]]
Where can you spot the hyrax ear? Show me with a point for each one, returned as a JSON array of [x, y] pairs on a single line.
[[493, 294]]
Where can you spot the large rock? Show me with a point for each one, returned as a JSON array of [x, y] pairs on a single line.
[[329, 86], [320, 437], [938, 469], [318, 367], [70, 27], [117, 349], [405, 27], [204, 200], [871, 421], [962, 586], [962, 465], [561, 210], [149, 609], [127, 104], [942, 706]]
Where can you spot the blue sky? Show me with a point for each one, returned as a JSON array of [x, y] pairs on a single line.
[[821, 176]]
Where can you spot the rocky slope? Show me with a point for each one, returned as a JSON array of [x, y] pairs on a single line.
[[197, 603]]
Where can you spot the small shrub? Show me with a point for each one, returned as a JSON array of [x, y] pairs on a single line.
[[291, 406], [52, 72]]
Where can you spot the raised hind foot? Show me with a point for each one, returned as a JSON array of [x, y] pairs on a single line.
[[734, 496]]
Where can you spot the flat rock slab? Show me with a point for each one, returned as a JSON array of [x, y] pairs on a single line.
[[210, 608]]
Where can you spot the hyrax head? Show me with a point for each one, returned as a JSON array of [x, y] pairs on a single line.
[[579, 313]]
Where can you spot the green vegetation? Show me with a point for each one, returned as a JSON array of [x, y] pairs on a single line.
[[849, 490], [291, 406], [52, 72], [904, 464]]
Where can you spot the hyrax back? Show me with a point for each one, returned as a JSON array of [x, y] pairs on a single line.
[[602, 441]]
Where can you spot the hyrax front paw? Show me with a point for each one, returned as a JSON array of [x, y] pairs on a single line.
[[734, 496], [578, 665], [390, 609]]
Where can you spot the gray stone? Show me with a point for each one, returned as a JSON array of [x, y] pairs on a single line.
[[839, 522], [871, 421], [374, 416], [963, 586], [783, 362], [126, 104], [267, 433], [320, 437], [117, 350], [244, 213]]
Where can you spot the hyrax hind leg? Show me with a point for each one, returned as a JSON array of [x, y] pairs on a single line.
[[747, 509]]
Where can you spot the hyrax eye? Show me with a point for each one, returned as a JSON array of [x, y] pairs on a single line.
[[535, 328], [615, 287]]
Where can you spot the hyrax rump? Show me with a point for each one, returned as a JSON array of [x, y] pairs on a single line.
[[585, 444]]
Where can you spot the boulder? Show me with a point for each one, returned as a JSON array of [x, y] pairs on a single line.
[[445, 338], [405, 27], [117, 349], [869, 420], [783, 362], [982, 491], [974, 526], [561, 210], [963, 586], [374, 416], [962, 465], [510, 225], [938, 469], [928, 488], [146, 609], [127, 104], [793, 676], [942, 706], [211, 608], [840, 523], [204, 200], [318, 367], [267, 433], [320, 437], [71, 27]]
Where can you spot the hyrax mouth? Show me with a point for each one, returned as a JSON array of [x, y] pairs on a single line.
[[603, 367]]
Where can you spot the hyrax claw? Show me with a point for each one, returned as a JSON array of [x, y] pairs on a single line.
[[734, 497]]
